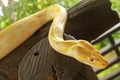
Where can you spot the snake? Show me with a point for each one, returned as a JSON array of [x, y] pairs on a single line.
[[18, 32]]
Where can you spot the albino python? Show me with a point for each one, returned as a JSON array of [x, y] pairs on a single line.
[[81, 50]]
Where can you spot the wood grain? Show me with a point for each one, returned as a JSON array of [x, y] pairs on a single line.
[[43, 63]]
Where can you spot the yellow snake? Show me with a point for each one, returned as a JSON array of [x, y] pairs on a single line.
[[81, 50]]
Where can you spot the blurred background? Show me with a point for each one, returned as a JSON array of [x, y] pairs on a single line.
[[13, 10]]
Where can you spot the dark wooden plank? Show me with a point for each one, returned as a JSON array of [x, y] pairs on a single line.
[[37, 62], [41, 63], [107, 33], [90, 18], [9, 65]]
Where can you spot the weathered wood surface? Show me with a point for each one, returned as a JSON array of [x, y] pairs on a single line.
[[43, 63], [88, 28]]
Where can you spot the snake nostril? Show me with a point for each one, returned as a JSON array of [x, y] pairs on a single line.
[[103, 64]]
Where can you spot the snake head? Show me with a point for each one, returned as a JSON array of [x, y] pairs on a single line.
[[84, 52]]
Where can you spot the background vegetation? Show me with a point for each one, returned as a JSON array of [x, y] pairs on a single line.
[[17, 9], [13, 10]]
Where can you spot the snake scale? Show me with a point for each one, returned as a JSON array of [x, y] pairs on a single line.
[[81, 50]]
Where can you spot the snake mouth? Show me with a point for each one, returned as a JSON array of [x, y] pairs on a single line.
[[102, 65]]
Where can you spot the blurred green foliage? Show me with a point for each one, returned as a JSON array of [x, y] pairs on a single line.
[[116, 6], [23, 8], [107, 71]]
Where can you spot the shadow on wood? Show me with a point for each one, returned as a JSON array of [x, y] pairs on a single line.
[[86, 22]]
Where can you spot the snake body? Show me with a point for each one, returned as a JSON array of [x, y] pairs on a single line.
[[81, 50]]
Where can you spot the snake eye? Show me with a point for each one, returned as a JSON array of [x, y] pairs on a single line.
[[92, 58]]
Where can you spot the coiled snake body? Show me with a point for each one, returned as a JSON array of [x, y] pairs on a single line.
[[81, 50]]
